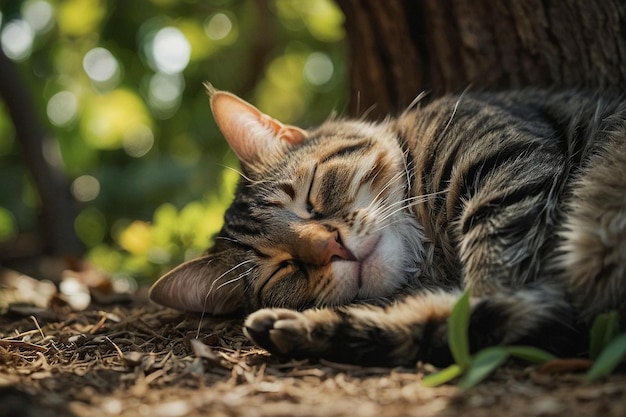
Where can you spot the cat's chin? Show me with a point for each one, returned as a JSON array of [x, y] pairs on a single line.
[[381, 269], [386, 262]]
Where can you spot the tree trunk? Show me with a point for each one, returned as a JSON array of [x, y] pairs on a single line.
[[400, 48], [57, 206]]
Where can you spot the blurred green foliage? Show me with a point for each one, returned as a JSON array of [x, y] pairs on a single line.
[[119, 86]]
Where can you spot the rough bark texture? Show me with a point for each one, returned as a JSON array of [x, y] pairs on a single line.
[[399, 48]]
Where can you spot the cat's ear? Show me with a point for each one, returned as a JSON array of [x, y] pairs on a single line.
[[253, 136], [204, 284]]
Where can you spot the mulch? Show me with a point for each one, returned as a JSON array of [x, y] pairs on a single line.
[[128, 357]]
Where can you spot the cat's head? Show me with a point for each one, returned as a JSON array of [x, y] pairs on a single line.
[[319, 218]]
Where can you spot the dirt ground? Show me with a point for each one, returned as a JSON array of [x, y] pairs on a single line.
[[128, 357]]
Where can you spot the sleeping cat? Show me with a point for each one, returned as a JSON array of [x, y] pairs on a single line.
[[352, 241]]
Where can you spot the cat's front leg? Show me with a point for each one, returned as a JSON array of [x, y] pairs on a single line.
[[416, 328], [398, 334]]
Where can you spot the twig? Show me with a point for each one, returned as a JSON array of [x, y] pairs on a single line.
[[22, 344], [26, 333], [154, 376], [43, 336], [119, 351], [98, 325]]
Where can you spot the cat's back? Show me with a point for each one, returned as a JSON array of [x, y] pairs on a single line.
[[468, 132], [561, 114]]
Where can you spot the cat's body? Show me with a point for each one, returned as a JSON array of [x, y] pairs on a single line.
[[364, 235]]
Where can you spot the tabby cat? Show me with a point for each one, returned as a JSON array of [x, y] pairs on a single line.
[[352, 241]]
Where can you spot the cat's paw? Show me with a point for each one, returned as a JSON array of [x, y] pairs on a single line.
[[283, 332]]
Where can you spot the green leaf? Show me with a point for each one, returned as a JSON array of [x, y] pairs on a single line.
[[442, 376], [458, 325], [530, 354], [485, 362], [608, 360], [605, 328]]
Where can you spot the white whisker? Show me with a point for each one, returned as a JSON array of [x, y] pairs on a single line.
[[228, 239], [390, 212], [456, 106], [368, 111], [389, 184], [230, 281], [386, 225], [211, 288], [241, 174], [237, 278], [416, 100], [387, 211]]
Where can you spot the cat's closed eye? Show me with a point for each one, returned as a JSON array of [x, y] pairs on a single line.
[[310, 206], [287, 266]]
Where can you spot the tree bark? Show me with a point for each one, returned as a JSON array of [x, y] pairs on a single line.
[[399, 48]]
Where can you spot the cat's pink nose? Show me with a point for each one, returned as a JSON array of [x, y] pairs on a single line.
[[320, 246], [334, 249]]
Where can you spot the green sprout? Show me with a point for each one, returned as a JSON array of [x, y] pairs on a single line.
[[607, 349], [475, 368]]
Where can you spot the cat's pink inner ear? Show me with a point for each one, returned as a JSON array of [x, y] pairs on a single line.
[[292, 134], [251, 134], [198, 285]]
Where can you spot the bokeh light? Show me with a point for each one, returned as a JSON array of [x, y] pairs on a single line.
[[109, 117], [62, 108], [138, 141], [78, 18], [101, 66], [85, 188], [170, 50], [39, 14], [218, 26], [17, 39], [318, 68], [165, 93]]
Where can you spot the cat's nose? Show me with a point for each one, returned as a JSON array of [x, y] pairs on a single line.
[[320, 246], [335, 249]]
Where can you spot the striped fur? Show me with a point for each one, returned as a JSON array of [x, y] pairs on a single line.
[[354, 240]]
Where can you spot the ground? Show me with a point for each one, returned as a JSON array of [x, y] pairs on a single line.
[[128, 357]]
